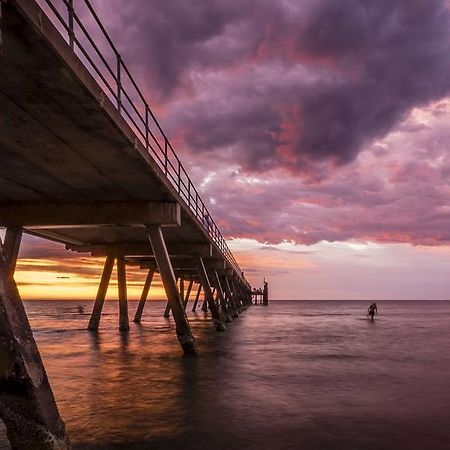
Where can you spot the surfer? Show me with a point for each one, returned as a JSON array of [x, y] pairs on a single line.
[[372, 310]]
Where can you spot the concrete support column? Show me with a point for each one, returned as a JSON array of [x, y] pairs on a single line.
[[27, 405], [221, 296], [236, 295], [182, 289], [167, 310], [197, 296], [188, 293], [205, 302], [209, 297], [144, 295], [123, 301], [244, 299], [101, 294], [184, 333], [13, 237], [231, 298]]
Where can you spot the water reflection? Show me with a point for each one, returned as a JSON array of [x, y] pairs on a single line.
[[294, 375]]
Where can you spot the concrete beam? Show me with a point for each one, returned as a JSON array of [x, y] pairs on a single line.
[[50, 215], [188, 264], [143, 249]]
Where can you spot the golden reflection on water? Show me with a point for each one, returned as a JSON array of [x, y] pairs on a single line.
[[312, 375], [118, 385]]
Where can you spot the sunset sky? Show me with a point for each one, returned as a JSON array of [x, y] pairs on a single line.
[[316, 130]]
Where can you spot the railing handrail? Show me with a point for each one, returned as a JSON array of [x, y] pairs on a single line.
[[160, 147]]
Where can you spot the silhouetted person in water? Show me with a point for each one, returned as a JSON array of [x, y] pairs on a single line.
[[372, 310]]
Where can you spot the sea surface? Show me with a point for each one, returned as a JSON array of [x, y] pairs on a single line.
[[293, 375]]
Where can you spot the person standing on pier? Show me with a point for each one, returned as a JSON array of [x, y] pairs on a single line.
[[372, 310]]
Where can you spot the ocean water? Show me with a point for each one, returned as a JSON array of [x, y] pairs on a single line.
[[293, 375]]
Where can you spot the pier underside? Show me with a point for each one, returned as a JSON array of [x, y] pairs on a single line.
[[74, 171]]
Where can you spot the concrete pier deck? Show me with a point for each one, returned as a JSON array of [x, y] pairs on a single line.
[[84, 162]]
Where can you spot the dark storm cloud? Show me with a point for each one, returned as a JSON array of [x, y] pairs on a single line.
[[394, 55], [169, 38], [348, 71]]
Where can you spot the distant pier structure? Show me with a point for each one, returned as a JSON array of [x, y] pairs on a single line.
[[84, 162], [261, 295]]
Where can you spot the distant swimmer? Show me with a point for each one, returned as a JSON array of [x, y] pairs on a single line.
[[372, 310]]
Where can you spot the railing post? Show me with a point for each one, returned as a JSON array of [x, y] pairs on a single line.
[[118, 80], [196, 203], [70, 23], [146, 126], [189, 193], [179, 176], [165, 156]]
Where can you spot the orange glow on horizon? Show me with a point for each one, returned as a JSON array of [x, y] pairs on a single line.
[[72, 279]]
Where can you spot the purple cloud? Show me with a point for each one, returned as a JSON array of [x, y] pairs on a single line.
[[284, 84]]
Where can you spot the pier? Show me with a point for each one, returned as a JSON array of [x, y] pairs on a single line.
[[84, 162], [260, 296]]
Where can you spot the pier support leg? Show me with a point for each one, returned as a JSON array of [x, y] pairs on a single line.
[[221, 297], [237, 296], [231, 299], [13, 237], [184, 333], [209, 297], [188, 293], [197, 296], [182, 290], [204, 303], [167, 310], [27, 405], [101, 294], [144, 295], [123, 302]]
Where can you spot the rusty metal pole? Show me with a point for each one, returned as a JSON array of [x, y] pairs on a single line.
[[183, 329], [94, 321], [27, 404], [144, 295], [209, 297]]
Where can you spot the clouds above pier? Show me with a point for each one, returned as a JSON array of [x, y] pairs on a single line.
[[302, 120], [285, 83], [309, 127]]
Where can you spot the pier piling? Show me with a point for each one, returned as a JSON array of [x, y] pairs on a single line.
[[209, 297], [197, 296], [94, 321], [27, 404], [183, 329], [122, 288], [144, 295]]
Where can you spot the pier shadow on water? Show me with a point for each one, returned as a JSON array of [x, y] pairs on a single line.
[[294, 375]]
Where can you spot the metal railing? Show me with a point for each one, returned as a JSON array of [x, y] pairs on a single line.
[[102, 59]]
